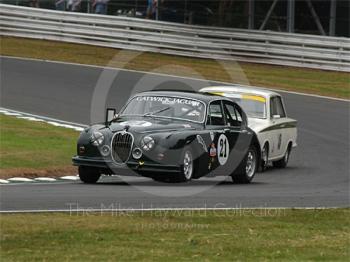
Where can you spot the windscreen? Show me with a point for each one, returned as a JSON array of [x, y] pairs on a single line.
[[166, 107], [254, 106]]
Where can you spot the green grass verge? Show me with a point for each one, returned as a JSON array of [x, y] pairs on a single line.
[[27, 146], [250, 235], [329, 83]]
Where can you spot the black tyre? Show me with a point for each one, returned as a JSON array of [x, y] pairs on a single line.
[[89, 175], [264, 158], [247, 169], [282, 163]]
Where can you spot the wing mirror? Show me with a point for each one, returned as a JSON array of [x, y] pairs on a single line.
[[276, 116], [110, 115]]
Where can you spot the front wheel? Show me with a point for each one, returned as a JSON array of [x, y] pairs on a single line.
[[247, 169], [264, 158], [187, 165], [89, 175]]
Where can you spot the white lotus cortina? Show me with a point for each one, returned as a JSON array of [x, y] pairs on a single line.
[[267, 116]]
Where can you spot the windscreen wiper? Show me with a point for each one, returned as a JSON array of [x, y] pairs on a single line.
[[156, 112]]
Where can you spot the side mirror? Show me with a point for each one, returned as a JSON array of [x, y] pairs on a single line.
[[110, 113], [276, 116]]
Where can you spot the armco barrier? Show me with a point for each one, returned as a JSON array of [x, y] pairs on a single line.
[[320, 52]]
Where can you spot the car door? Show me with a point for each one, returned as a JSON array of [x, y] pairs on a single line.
[[233, 122], [216, 125], [237, 131], [278, 119]]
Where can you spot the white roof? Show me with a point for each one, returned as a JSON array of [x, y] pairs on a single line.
[[240, 89]]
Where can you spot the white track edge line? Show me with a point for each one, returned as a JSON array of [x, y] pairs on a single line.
[[174, 76], [43, 117], [39, 183], [135, 210]]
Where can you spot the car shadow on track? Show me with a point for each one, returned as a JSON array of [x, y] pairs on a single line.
[[280, 171], [193, 183]]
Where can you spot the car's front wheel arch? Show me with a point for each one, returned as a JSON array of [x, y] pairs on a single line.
[[255, 143]]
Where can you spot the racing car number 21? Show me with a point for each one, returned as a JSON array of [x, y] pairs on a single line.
[[223, 149]]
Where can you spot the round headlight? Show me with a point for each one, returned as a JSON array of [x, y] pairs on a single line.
[[147, 143], [97, 138]]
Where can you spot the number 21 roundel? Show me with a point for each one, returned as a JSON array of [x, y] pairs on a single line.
[[223, 149]]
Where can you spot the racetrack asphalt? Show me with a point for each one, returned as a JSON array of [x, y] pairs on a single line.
[[317, 174]]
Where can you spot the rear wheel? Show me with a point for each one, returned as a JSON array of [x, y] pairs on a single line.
[[89, 175], [247, 169], [282, 163]]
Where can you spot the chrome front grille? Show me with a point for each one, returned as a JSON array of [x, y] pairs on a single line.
[[122, 146]]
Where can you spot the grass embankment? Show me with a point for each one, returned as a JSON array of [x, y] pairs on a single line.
[[34, 149], [336, 84], [250, 235]]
